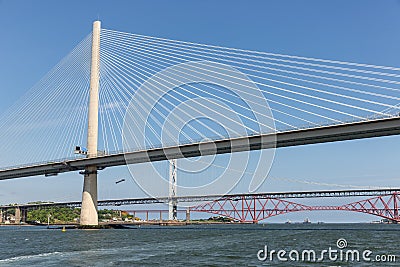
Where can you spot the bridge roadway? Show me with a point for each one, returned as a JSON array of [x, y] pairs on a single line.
[[323, 134], [276, 195]]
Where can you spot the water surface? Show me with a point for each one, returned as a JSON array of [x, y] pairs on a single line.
[[203, 245]]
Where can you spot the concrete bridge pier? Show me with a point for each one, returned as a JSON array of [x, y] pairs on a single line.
[[17, 215], [89, 198], [188, 215], [172, 190], [24, 215]]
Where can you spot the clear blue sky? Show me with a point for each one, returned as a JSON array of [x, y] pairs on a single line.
[[35, 35]]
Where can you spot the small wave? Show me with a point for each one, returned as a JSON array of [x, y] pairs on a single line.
[[26, 257]]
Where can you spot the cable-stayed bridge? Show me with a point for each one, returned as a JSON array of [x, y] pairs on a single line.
[[152, 99]]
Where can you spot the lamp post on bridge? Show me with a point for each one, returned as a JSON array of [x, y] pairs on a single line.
[[89, 215]]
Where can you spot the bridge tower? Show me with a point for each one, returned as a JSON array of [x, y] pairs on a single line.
[[89, 195], [172, 202]]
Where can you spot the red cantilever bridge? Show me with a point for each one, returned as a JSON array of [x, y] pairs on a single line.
[[260, 206]]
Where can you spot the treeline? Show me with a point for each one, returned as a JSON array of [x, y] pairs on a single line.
[[68, 215], [54, 214]]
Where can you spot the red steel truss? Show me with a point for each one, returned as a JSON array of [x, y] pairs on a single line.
[[258, 208]]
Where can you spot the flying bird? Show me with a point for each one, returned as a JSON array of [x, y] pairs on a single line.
[[120, 181]]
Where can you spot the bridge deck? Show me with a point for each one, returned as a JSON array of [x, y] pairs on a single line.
[[341, 132], [276, 195]]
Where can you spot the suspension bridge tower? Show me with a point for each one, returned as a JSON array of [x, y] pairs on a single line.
[[89, 215]]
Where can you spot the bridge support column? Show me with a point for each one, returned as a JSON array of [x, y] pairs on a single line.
[[395, 207], [89, 215], [24, 215], [188, 215], [172, 203], [17, 215], [89, 198]]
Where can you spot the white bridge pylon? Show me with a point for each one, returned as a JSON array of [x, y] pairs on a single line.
[[89, 216]]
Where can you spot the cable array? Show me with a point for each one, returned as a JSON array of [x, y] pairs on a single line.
[[51, 118], [300, 92]]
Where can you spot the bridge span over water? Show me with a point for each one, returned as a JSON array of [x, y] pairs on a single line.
[[252, 207], [331, 133]]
